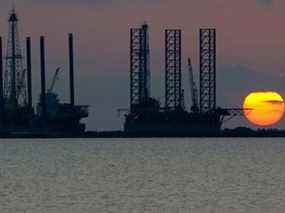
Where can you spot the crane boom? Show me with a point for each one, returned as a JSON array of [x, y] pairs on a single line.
[[193, 88], [54, 79]]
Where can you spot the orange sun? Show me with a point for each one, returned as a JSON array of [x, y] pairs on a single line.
[[264, 108]]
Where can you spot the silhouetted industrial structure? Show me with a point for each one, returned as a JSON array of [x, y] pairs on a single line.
[[53, 115], [207, 70], [146, 116], [2, 113], [16, 104], [140, 76], [14, 81], [141, 103], [29, 73], [173, 76], [193, 89], [173, 119]]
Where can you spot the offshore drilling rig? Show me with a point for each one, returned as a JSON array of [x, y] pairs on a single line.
[[146, 116], [16, 107], [53, 115], [16, 110]]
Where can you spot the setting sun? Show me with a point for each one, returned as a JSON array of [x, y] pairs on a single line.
[[264, 108]]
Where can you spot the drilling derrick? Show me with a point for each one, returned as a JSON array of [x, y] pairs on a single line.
[[207, 70], [143, 108], [173, 88], [139, 67], [14, 77]]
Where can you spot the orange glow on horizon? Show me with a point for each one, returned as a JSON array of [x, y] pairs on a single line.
[[266, 108]]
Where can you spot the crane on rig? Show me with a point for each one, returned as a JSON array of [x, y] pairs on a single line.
[[193, 88], [54, 79], [52, 100]]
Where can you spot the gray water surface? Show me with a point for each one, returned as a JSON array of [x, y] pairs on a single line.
[[142, 175]]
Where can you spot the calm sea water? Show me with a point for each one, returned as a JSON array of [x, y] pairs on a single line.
[[142, 175]]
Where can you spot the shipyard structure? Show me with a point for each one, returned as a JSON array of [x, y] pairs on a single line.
[[49, 115], [146, 116]]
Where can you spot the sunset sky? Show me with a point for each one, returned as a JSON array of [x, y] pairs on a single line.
[[250, 46]]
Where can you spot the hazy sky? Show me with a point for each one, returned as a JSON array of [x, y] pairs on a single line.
[[250, 45]]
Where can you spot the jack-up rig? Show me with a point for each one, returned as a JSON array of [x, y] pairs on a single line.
[[146, 116], [16, 105]]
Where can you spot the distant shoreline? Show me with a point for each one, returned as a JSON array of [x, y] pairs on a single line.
[[240, 132]]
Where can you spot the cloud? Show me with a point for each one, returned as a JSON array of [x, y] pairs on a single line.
[[265, 3], [274, 102], [85, 2]]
